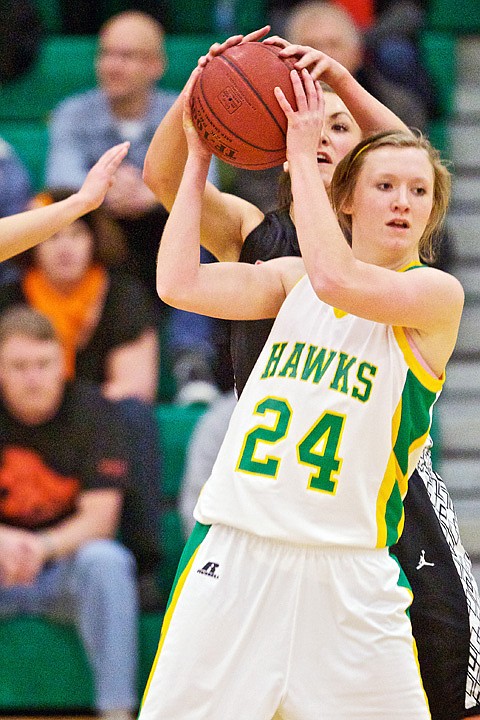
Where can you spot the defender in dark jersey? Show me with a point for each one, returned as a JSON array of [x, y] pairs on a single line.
[[446, 611]]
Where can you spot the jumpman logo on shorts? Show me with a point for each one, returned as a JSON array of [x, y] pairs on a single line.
[[422, 562]]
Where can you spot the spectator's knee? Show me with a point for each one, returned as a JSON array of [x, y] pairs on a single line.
[[102, 557]]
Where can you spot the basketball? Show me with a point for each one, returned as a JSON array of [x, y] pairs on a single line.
[[234, 108]]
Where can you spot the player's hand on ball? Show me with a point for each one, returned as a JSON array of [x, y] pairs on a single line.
[[219, 48], [304, 124], [195, 145], [319, 65]]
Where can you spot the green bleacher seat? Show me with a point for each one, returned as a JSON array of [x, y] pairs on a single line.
[[440, 58], [183, 52], [201, 16], [65, 66], [30, 140], [175, 424], [461, 17], [43, 665], [50, 15]]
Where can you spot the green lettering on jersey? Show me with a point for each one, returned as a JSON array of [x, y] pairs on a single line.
[[363, 368], [316, 362], [340, 381], [291, 366], [274, 359]]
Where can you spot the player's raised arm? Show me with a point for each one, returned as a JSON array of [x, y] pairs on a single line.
[[226, 219], [370, 114], [227, 290], [24, 230]]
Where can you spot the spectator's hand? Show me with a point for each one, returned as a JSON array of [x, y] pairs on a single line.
[[22, 556], [195, 145], [219, 48], [319, 65], [129, 197], [101, 177]]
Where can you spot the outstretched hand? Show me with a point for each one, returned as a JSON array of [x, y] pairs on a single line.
[[102, 176], [304, 124]]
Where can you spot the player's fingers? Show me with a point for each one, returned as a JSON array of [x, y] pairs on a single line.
[[283, 102], [318, 68], [307, 59], [310, 90], [256, 34], [290, 50], [277, 41], [299, 91], [320, 96], [114, 155], [188, 89]]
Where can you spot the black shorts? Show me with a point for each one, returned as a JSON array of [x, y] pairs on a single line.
[[445, 612]]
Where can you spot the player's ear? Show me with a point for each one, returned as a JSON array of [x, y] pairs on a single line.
[[285, 166]]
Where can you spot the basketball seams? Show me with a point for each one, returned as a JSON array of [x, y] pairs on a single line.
[[235, 110], [253, 89], [232, 132]]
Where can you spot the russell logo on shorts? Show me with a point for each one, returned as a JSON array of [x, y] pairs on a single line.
[[209, 569]]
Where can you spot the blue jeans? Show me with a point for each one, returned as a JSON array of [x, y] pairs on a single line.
[[96, 589]]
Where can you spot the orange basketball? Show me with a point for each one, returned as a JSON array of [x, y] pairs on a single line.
[[234, 108]]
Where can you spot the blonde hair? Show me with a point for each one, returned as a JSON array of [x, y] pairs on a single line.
[[346, 175]]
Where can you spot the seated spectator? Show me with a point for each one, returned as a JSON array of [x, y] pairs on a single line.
[[20, 38], [15, 192], [106, 323], [127, 105], [63, 473]]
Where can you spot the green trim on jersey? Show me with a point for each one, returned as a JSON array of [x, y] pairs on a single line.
[[190, 550], [413, 429]]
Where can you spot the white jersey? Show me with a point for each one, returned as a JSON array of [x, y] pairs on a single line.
[[327, 431]]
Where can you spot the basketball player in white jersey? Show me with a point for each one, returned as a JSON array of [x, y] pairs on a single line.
[[287, 602]]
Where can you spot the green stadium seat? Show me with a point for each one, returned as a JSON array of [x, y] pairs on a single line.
[[30, 140], [183, 52], [50, 15], [460, 18], [440, 58], [201, 16], [175, 424], [43, 665], [65, 66]]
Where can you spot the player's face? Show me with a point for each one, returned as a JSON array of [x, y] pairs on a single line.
[[391, 204], [340, 134], [66, 257], [31, 377], [128, 61]]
